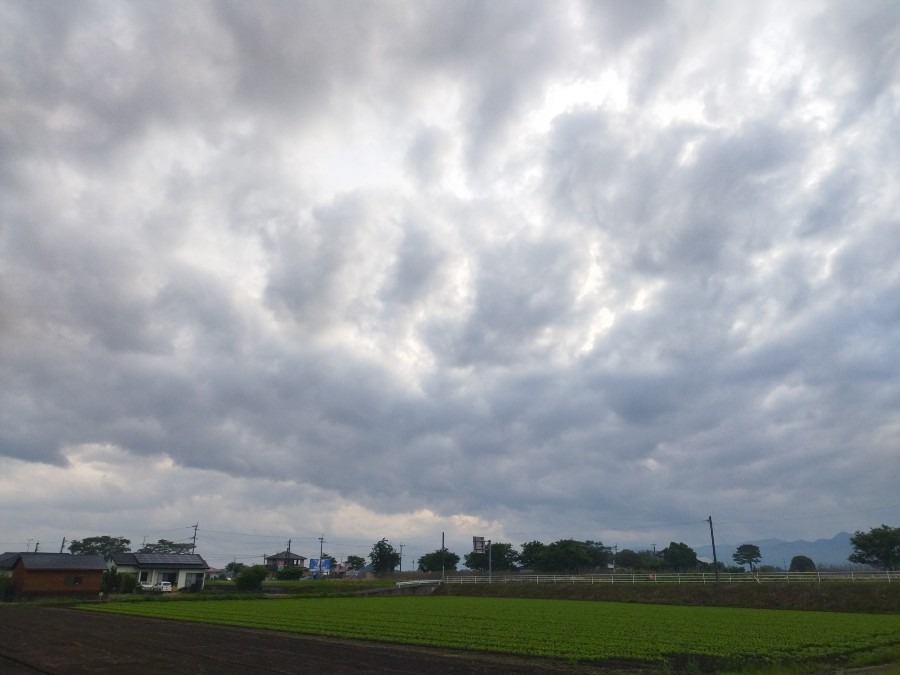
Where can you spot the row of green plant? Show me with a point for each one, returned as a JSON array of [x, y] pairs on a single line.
[[560, 629]]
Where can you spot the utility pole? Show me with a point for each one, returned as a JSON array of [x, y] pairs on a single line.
[[443, 557], [490, 564], [194, 542], [62, 545], [401, 556], [713, 538]]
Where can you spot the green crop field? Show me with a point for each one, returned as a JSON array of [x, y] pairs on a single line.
[[561, 629]]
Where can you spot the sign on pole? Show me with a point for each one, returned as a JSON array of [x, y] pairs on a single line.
[[478, 544]]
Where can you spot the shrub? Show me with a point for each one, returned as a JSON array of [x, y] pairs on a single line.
[[6, 588], [251, 578], [289, 573]]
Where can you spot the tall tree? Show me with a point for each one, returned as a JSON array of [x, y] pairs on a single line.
[[384, 557], [679, 556], [567, 555], [166, 546], [532, 555], [503, 557], [442, 559], [747, 554], [103, 545], [628, 559], [601, 555], [879, 547]]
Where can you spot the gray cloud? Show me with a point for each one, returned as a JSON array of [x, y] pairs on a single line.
[[595, 270]]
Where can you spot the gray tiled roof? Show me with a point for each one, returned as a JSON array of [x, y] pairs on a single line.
[[61, 561]]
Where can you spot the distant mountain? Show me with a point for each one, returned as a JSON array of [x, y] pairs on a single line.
[[778, 552]]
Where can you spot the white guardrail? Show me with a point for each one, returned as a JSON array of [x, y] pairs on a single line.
[[674, 578]]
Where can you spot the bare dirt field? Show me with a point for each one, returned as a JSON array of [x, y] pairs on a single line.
[[57, 640]]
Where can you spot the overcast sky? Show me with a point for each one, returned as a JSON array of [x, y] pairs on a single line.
[[523, 270]]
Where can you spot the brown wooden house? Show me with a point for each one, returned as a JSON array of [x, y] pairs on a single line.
[[36, 574]]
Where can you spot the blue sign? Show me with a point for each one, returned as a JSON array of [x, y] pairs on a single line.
[[313, 563]]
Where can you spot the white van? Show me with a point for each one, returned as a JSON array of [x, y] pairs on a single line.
[[163, 587]]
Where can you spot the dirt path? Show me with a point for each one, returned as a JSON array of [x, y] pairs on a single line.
[[63, 641]]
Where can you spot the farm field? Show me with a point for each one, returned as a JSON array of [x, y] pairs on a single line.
[[559, 629]]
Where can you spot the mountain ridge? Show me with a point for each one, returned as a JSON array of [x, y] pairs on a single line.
[[778, 552]]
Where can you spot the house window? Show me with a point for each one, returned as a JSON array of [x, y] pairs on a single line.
[[144, 576], [73, 581]]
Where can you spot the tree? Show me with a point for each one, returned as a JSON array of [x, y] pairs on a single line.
[[235, 568], [103, 545], [251, 578], [601, 555], [384, 557], [628, 559], [650, 560], [879, 547], [290, 573], [166, 546], [437, 561], [532, 555], [356, 562], [503, 557], [801, 563], [747, 554], [566, 555], [679, 556]]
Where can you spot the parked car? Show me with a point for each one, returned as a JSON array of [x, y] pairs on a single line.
[[145, 586], [163, 587]]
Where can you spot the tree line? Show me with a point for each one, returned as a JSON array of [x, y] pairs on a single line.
[[879, 548], [107, 546]]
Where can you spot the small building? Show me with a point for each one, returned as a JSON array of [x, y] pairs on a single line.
[[54, 574], [285, 559], [182, 570]]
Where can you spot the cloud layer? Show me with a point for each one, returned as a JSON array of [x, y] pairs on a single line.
[[545, 269]]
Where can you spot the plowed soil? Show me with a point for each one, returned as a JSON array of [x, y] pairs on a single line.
[[56, 640]]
